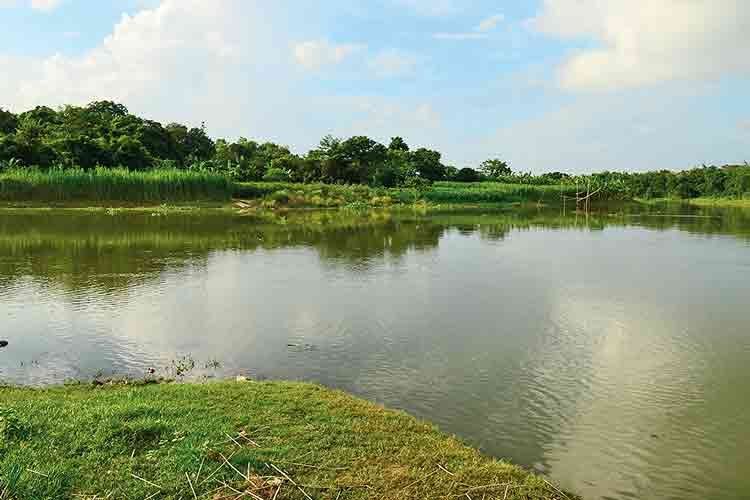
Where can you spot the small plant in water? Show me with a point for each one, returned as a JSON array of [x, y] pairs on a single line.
[[212, 364], [183, 365]]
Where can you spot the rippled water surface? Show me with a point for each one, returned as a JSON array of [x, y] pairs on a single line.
[[611, 352]]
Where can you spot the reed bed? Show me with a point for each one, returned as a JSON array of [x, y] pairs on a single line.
[[495, 192], [105, 184]]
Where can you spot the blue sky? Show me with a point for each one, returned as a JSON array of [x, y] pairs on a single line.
[[572, 85]]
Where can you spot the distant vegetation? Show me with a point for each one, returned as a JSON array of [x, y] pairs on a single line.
[[39, 147]]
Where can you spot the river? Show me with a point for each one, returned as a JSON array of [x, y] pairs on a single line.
[[610, 351]]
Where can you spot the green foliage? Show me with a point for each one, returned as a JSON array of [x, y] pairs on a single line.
[[103, 184], [12, 426], [105, 134], [398, 144], [729, 181], [427, 164], [467, 175], [494, 168], [8, 122], [274, 174], [494, 192]]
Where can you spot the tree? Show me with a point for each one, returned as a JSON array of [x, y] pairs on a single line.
[[156, 139], [427, 164], [398, 144], [129, 152], [75, 150], [191, 144], [29, 146], [198, 145], [361, 156], [109, 109], [467, 175], [8, 122], [495, 168], [352, 161], [43, 116]]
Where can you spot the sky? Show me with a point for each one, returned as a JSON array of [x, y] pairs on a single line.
[[548, 85]]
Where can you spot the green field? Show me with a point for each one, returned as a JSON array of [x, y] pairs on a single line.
[[235, 440]]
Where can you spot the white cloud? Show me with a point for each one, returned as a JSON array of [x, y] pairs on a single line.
[[314, 54], [393, 62], [225, 62], [490, 23], [645, 42], [381, 118], [45, 5], [171, 62], [648, 129]]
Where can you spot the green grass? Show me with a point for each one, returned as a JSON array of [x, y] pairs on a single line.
[[274, 195], [495, 192], [282, 194], [163, 441], [120, 187], [721, 202], [107, 185], [699, 202]]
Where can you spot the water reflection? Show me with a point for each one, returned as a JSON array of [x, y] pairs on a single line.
[[606, 351]]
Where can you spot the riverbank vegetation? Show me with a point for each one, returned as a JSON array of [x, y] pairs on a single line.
[[112, 184], [66, 154], [235, 440]]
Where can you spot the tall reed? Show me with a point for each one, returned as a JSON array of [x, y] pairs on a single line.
[[106, 184]]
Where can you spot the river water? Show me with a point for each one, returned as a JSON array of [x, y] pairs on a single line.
[[610, 352]]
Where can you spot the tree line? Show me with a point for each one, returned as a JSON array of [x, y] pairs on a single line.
[[106, 134]]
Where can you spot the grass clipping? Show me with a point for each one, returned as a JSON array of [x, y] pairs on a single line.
[[260, 441]]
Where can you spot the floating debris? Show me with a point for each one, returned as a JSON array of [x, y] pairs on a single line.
[[302, 347]]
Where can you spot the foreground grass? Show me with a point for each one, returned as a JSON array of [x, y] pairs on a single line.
[[235, 440]]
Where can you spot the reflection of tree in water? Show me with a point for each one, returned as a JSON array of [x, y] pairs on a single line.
[[390, 238], [84, 250], [81, 251]]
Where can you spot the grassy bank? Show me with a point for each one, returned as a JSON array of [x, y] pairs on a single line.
[[122, 187], [112, 185], [271, 195], [119, 187], [721, 202], [235, 440], [698, 202]]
